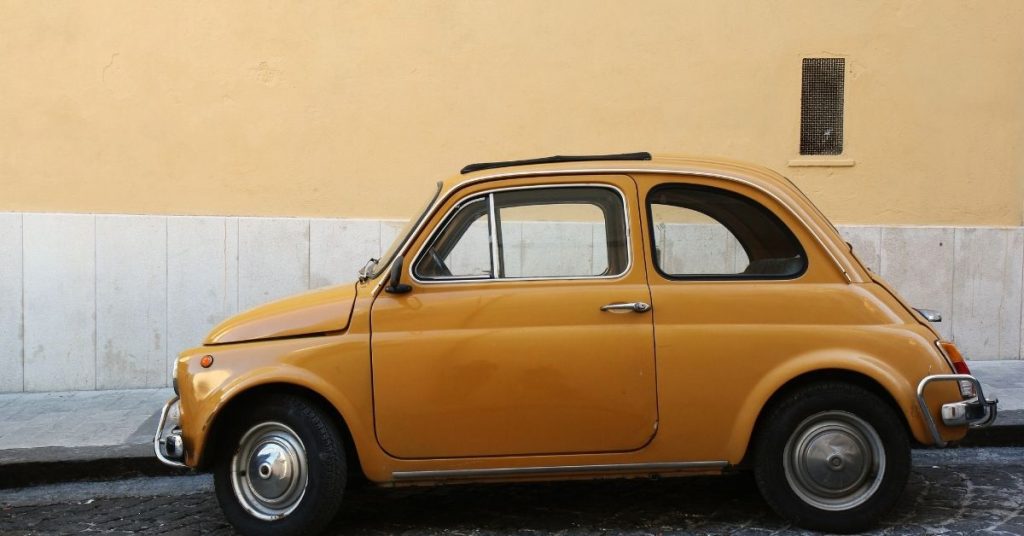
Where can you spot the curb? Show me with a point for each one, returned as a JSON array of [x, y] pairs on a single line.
[[995, 436], [51, 465], [25, 474]]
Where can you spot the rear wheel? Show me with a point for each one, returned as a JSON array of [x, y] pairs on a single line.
[[832, 457], [281, 468]]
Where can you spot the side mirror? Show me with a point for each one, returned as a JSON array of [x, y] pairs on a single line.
[[395, 285]]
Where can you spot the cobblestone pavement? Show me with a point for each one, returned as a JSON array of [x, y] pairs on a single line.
[[959, 492]]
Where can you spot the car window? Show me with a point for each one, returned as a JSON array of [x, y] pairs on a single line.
[[700, 231], [555, 232], [462, 249]]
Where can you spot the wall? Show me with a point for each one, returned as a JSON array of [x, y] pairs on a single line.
[[163, 165], [339, 109], [108, 301]]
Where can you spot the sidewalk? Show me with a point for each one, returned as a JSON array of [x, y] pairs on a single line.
[[79, 434], [65, 436]]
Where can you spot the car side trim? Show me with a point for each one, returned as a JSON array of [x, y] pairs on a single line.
[[459, 474], [488, 195]]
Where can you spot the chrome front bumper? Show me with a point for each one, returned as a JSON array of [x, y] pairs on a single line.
[[976, 412], [169, 447]]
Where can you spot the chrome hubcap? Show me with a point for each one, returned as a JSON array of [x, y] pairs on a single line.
[[834, 460], [268, 472]]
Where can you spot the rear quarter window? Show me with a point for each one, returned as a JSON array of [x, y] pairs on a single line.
[[702, 232]]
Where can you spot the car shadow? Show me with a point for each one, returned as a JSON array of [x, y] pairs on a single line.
[[694, 504]]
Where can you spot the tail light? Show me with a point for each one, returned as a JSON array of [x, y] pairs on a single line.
[[959, 367]]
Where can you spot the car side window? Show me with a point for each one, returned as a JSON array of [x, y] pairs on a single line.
[[461, 250], [552, 232], [709, 233]]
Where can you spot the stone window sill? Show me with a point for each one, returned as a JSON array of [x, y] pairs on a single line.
[[820, 162]]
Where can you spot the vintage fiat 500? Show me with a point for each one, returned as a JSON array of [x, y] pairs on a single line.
[[580, 317]]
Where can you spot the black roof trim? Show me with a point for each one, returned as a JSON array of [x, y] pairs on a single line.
[[557, 158]]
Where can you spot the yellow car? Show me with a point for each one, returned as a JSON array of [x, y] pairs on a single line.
[[578, 318]]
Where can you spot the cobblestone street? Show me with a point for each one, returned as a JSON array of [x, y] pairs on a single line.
[[956, 492]]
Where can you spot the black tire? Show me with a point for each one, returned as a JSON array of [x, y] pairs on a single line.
[[805, 461], [269, 428]]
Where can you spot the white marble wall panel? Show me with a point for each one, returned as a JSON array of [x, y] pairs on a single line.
[[11, 330], [599, 255], [231, 265], [987, 292], [699, 249], [273, 259], [389, 230], [131, 301], [92, 302], [339, 248], [60, 302], [200, 281], [866, 242], [557, 249], [918, 263], [471, 256], [512, 248]]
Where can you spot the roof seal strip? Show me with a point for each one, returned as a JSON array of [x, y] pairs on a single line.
[[555, 159]]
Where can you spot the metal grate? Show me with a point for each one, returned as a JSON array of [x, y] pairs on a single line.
[[821, 106]]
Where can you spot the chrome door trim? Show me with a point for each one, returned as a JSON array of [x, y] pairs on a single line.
[[489, 194], [457, 474], [492, 235]]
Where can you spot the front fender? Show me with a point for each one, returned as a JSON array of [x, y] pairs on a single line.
[[336, 368]]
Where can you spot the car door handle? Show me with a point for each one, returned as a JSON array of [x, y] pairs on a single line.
[[625, 307]]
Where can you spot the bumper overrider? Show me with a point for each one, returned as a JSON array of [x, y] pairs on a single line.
[[168, 446], [976, 412]]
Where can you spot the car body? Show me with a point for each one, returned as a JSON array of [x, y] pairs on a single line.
[[588, 317]]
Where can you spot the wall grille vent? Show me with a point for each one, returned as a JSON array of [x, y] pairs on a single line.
[[821, 106]]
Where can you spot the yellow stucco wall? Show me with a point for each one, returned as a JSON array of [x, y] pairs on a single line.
[[343, 108]]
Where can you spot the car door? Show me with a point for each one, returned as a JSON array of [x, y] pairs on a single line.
[[741, 289], [527, 329]]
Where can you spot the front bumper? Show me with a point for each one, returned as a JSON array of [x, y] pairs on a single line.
[[169, 447], [976, 412]]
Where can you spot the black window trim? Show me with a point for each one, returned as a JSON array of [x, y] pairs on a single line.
[[486, 195], [449, 218], [717, 277]]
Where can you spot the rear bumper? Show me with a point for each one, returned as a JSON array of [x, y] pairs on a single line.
[[976, 412], [168, 446]]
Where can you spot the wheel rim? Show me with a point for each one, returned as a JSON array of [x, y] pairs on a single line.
[[269, 471], [834, 460]]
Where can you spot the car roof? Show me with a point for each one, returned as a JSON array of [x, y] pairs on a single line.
[[658, 163]]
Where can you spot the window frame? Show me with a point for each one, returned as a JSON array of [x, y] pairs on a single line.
[[450, 219], [495, 247], [719, 277]]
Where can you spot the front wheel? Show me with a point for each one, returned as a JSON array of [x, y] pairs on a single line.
[[832, 457], [281, 468]]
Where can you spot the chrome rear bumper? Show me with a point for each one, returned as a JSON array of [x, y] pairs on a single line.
[[975, 412], [169, 447]]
